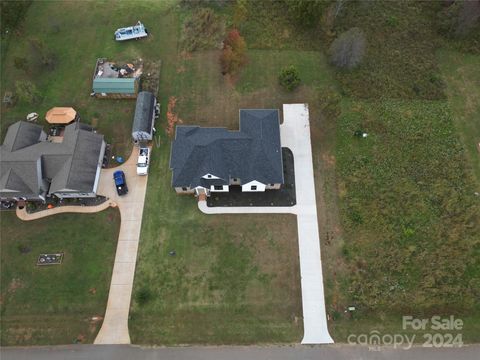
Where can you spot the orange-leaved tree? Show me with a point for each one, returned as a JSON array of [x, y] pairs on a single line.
[[233, 54]]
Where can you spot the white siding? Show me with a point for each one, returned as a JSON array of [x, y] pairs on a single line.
[[248, 186], [210, 176]]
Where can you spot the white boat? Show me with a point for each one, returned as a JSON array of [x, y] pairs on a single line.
[[137, 31]]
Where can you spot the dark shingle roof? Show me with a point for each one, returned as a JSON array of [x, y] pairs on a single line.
[[253, 153], [143, 118]]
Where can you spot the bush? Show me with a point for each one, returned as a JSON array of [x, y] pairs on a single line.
[[348, 49], [27, 91], [289, 78], [143, 296], [307, 13], [41, 57], [20, 63], [203, 30], [233, 54]]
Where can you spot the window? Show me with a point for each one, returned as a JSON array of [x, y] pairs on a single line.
[[253, 187], [218, 187], [235, 179], [184, 189], [209, 176], [271, 184]]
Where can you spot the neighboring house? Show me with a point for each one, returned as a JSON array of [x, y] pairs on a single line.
[[34, 168], [113, 81], [144, 118], [205, 160]]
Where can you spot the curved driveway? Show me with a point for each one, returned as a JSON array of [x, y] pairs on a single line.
[[295, 134]]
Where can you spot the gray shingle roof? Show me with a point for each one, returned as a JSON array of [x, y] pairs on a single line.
[[143, 119], [22, 134], [43, 166], [253, 153]]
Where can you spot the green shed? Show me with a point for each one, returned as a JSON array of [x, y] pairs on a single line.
[[115, 87]]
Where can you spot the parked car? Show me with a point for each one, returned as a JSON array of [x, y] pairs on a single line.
[[120, 182], [143, 161], [137, 31]]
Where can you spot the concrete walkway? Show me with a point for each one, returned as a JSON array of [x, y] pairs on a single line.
[[22, 214], [295, 134], [114, 329], [115, 324]]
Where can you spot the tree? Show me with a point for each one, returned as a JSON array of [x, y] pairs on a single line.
[[348, 49], [233, 54], [307, 13], [27, 91], [289, 78], [458, 18]]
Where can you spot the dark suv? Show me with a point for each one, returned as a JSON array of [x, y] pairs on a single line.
[[120, 182]]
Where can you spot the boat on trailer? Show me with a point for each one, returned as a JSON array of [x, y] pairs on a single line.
[[137, 31]]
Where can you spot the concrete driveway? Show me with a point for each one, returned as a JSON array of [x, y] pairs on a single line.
[[295, 134], [114, 329]]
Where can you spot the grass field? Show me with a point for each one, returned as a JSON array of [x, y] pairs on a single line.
[[234, 279], [54, 304], [226, 284], [69, 83], [399, 221], [462, 75], [409, 213]]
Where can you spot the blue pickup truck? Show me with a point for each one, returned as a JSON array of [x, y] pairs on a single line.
[[120, 182]]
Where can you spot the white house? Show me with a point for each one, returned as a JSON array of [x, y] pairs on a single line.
[[206, 160]]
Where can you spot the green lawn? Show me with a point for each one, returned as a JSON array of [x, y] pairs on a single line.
[[54, 304], [397, 212], [462, 75], [409, 214], [78, 33], [233, 280]]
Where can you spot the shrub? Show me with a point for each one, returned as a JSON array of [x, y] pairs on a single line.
[[348, 49], [289, 78], [233, 54], [41, 57], [143, 296], [27, 91], [307, 13], [203, 30], [20, 63]]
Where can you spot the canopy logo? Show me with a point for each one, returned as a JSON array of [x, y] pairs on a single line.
[[434, 332]]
